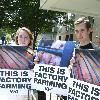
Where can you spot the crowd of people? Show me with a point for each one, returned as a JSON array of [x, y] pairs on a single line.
[[83, 29]]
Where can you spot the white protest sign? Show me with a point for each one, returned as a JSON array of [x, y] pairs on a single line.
[[51, 78], [15, 81], [80, 90]]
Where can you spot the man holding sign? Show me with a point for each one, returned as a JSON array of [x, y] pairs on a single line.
[[83, 30]]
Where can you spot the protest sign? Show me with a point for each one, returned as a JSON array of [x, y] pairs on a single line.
[[80, 90], [50, 78], [53, 78], [87, 66], [15, 81], [59, 54], [15, 76], [15, 57]]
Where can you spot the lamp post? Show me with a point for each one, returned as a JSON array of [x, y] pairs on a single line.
[[34, 40]]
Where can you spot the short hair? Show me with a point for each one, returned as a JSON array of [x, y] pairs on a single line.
[[83, 20], [26, 30]]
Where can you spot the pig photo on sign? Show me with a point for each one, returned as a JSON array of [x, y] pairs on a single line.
[[15, 57]]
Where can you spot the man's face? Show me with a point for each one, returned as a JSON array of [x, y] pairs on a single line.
[[82, 33]]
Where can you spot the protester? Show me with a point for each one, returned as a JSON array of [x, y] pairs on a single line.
[[83, 30], [3, 40], [23, 38]]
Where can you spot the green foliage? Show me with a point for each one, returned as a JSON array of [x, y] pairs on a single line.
[[5, 31], [19, 13], [8, 38]]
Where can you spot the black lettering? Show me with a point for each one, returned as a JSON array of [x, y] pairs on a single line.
[[39, 81], [17, 79], [8, 86], [1, 73], [25, 73], [85, 89], [40, 75], [61, 85], [16, 86], [2, 79], [49, 75], [87, 97], [74, 83], [82, 95], [61, 71], [95, 91], [93, 98], [28, 86], [41, 68], [70, 89], [62, 78], [8, 73], [47, 69], [77, 93], [35, 80], [8, 79], [15, 73], [73, 92], [48, 89], [54, 77], [71, 98], [50, 83], [80, 86], [44, 82], [2, 85], [44, 75], [52, 69], [36, 74], [14, 91]]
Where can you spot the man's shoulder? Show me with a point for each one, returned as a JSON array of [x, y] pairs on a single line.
[[95, 46], [77, 46]]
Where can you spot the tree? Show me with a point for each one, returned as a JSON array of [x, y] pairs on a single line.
[[8, 38], [19, 13]]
